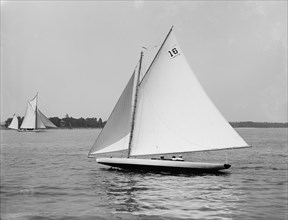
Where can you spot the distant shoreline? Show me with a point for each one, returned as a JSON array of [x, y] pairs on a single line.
[[251, 124], [243, 124]]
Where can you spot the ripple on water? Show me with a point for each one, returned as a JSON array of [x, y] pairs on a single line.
[[50, 177]]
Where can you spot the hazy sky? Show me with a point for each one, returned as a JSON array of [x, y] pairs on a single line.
[[79, 55]]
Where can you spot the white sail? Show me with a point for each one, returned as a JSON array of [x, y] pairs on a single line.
[[39, 123], [34, 118], [14, 123], [33, 102], [29, 118], [44, 120], [174, 114], [115, 135]]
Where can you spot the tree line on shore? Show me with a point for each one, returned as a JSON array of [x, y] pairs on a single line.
[[68, 122], [251, 124]]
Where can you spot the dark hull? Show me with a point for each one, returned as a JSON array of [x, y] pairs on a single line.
[[162, 165], [31, 130]]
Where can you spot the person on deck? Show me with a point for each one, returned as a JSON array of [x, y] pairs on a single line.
[[179, 158]]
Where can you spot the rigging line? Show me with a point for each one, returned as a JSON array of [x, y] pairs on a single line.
[[158, 52], [34, 97], [151, 48], [159, 116]]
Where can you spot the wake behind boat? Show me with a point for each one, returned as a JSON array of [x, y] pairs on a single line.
[[165, 111]]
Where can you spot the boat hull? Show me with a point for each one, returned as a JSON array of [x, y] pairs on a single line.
[[34, 130], [161, 165]]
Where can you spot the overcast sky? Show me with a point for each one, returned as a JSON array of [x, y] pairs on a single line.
[[79, 55]]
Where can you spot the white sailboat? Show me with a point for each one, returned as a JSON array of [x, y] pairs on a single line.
[[166, 111], [14, 123], [34, 119]]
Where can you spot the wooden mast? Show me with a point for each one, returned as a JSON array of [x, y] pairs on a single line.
[[137, 88], [135, 104], [36, 111]]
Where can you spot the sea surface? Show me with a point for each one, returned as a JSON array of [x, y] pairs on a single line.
[[47, 175]]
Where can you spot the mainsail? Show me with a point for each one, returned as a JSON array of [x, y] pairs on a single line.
[[34, 118], [14, 123], [173, 114], [29, 118]]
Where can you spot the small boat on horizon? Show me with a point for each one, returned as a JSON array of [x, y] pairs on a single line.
[[164, 110], [34, 120]]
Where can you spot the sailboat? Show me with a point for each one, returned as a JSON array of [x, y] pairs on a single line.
[[166, 111], [14, 123], [34, 119]]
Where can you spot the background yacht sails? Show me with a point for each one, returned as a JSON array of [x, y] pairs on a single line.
[[34, 118], [14, 123]]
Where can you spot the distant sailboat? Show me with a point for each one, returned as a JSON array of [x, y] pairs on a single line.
[[164, 112], [34, 119], [14, 123]]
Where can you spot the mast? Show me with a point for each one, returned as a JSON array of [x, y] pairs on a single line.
[[36, 111], [135, 104], [137, 88]]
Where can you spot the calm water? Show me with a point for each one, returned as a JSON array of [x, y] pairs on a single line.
[[47, 175]]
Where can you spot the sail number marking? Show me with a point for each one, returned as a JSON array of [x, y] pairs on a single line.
[[173, 52]]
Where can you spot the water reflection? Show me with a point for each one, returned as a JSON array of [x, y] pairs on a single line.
[[170, 196], [122, 191], [118, 189]]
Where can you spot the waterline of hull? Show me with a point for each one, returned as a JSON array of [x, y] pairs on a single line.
[[162, 165]]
